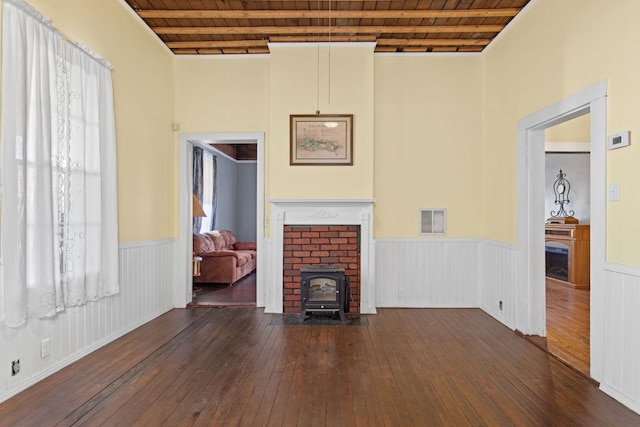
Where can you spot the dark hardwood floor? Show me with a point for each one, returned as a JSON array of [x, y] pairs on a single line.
[[241, 293], [232, 366], [568, 325]]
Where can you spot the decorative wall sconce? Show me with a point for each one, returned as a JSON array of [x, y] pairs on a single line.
[[561, 189]]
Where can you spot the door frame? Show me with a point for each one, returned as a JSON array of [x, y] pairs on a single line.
[[183, 288], [530, 287]]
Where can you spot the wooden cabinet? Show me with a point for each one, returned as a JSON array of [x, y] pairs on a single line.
[[572, 241]]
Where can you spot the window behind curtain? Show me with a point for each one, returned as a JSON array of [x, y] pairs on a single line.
[[59, 206], [204, 188], [208, 190]]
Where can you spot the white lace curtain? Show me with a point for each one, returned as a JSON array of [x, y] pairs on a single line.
[[58, 230]]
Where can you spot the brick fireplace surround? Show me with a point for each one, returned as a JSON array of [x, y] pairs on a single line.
[[304, 221], [305, 246]]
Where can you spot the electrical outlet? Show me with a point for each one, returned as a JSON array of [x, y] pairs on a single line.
[[401, 293], [45, 347], [500, 305], [15, 367]]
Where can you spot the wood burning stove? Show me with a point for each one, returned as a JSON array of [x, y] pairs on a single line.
[[324, 288]]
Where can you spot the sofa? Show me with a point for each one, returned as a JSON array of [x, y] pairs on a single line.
[[224, 260]]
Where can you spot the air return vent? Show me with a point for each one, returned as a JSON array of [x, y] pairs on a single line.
[[433, 221]]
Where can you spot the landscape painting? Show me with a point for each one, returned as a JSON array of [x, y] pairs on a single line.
[[321, 139]]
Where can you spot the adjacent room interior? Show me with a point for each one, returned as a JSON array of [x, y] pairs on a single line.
[[228, 191], [442, 146]]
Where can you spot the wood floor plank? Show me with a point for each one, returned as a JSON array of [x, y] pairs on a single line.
[[234, 401], [568, 325], [270, 376], [126, 394], [419, 404], [172, 401], [284, 399], [487, 360], [232, 366], [384, 386], [95, 372], [421, 366]]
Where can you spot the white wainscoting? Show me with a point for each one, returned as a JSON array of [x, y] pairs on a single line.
[[146, 291], [447, 273], [427, 273], [498, 266], [621, 350]]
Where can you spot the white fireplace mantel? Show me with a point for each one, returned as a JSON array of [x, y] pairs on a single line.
[[323, 212]]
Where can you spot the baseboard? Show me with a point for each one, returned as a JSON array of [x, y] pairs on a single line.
[[499, 317], [633, 405]]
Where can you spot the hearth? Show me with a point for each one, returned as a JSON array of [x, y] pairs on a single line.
[[324, 288]]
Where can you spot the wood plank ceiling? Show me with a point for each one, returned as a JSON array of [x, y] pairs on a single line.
[[222, 27]]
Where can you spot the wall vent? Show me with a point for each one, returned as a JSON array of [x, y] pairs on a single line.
[[433, 221]]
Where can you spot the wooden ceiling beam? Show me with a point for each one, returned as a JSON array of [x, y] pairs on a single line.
[[337, 39], [217, 44], [386, 49], [187, 51], [415, 49], [318, 14], [322, 39], [444, 49], [377, 29], [433, 42]]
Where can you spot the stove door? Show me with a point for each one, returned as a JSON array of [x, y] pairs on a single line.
[[322, 289]]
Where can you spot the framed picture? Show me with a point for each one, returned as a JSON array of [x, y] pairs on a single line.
[[321, 139]]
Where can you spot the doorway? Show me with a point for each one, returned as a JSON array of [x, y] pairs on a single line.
[[183, 289], [530, 288], [567, 163], [229, 185]]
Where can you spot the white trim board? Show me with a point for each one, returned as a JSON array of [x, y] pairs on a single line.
[[567, 147], [530, 291]]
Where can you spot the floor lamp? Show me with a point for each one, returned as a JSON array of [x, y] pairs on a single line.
[[197, 212]]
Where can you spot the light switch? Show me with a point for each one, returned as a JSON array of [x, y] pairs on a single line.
[[614, 192]]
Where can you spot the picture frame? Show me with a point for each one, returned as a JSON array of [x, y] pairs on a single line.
[[321, 139]]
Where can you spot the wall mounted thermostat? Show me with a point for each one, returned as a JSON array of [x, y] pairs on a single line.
[[618, 140]]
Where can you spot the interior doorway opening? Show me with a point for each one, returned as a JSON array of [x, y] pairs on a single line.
[[530, 288], [229, 194], [567, 287], [183, 291]]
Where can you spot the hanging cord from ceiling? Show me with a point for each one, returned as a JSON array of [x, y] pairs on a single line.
[[329, 67], [318, 66], [318, 62]]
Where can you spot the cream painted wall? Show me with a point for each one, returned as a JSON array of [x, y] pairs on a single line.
[[143, 94], [222, 94], [523, 71], [259, 93], [293, 90], [526, 70], [428, 127], [576, 130]]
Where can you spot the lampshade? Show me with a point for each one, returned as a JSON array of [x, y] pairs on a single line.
[[197, 207]]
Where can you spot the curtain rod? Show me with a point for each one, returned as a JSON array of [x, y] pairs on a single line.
[[48, 23]]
